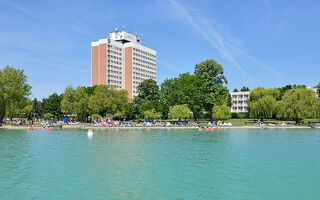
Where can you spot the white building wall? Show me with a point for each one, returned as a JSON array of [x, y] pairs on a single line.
[[239, 102], [115, 64], [144, 66]]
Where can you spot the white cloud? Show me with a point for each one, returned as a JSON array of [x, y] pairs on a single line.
[[207, 30]]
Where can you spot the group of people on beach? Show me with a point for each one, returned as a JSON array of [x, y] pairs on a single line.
[[208, 128], [211, 126], [111, 123], [31, 128]]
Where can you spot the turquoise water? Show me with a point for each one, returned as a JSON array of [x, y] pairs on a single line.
[[160, 164]]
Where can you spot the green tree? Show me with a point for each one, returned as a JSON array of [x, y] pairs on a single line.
[[148, 90], [95, 116], [245, 89], [81, 103], [185, 89], [26, 111], [235, 90], [2, 105], [284, 89], [241, 115], [180, 112], [151, 114], [127, 112], [107, 100], [221, 112], [97, 103], [36, 111], [90, 90], [48, 116], [299, 86], [298, 104], [52, 105], [260, 92], [264, 108], [13, 92], [67, 102], [213, 87], [263, 103], [288, 87], [318, 108], [148, 97]]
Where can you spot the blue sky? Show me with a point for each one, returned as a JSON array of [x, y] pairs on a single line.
[[259, 43]]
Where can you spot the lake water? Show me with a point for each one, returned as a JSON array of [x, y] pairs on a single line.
[[160, 164]]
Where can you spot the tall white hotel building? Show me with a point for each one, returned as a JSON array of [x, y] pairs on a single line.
[[121, 60]]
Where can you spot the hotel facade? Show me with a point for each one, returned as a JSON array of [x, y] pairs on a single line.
[[239, 102], [121, 60]]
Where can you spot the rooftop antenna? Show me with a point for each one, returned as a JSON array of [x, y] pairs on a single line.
[[139, 38]]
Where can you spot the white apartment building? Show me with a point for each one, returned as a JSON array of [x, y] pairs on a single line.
[[144, 65], [239, 102], [121, 60]]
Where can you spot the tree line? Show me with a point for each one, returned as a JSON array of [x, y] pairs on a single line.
[[287, 103], [201, 94]]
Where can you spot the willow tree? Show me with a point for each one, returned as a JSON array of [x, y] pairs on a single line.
[[107, 100], [221, 112], [180, 112], [264, 108], [298, 104], [81, 105], [67, 102], [263, 103], [151, 114], [261, 92]]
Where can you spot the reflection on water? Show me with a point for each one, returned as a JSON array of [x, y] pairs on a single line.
[[160, 164]]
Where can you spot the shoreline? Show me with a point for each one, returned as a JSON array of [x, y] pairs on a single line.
[[153, 127]]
